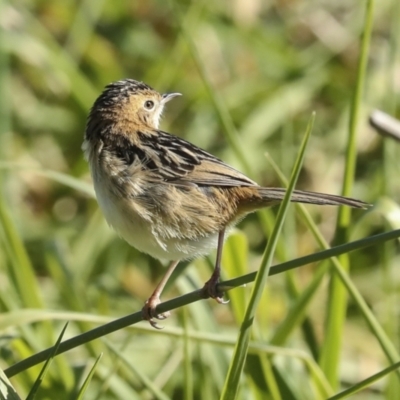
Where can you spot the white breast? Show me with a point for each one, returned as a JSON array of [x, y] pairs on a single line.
[[128, 221]]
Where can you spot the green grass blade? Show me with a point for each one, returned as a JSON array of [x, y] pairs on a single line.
[[235, 256], [5, 90], [337, 301], [7, 391], [147, 382], [82, 89], [21, 267], [187, 361], [297, 312], [56, 176], [274, 388], [230, 130], [83, 28], [365, 383], [231, 386], [39, 380], [86, 383]]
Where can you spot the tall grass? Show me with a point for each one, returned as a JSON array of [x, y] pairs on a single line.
[[251, 74]]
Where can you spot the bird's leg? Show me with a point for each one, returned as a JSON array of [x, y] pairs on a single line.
[[149, 309], [210, 287]]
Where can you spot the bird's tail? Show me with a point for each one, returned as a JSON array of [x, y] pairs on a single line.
[[271, 195]]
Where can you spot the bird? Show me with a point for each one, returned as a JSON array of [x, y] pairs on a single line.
[[164, 195]]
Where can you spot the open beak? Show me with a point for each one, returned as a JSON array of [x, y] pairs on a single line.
[[169, 96]]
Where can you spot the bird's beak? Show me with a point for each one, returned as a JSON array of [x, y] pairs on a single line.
[[169, 96]]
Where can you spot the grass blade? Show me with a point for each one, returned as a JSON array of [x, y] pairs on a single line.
[[22, 269], [88, 378], [7, 391], [337, 303], [46, 366], [365, 383], [231, 387], [147, 382]]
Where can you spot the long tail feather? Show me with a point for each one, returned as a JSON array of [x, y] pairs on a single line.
[[299, 196]]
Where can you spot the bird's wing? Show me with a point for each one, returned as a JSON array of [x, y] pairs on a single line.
[[179, 162], [183, 162]]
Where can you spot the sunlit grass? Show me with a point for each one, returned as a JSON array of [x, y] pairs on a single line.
[[250, 73]]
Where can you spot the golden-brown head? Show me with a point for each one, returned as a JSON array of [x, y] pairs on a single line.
[[126, 106]]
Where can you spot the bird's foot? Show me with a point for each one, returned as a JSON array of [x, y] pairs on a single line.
[[210, 289], [149, 312]]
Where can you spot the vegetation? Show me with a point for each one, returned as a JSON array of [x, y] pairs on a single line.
[[251, 74]]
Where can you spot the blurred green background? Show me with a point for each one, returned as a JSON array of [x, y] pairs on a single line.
[[251, 72]]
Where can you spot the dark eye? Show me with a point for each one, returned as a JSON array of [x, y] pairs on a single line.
[[149, 104]]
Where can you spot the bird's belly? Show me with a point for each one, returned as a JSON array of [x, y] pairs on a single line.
[[134, 226]]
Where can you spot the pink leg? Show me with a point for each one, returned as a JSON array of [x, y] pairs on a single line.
[[149, 309], [210, 287]]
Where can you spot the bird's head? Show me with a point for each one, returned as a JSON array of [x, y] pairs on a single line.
[[125, 106]]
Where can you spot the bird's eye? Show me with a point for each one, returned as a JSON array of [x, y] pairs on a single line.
[[149, 105]]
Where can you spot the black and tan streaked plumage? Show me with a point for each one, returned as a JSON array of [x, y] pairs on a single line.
[[162, 194]]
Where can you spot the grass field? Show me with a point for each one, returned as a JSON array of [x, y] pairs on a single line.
[[251, 73]]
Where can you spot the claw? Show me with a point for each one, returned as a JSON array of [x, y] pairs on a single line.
[[149, 312], [210, 289], [149, 309], [155, 325], [221, 300]]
